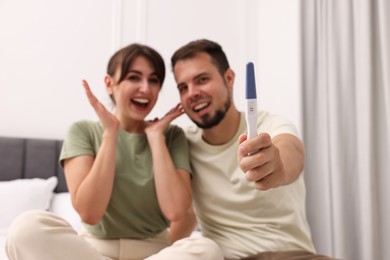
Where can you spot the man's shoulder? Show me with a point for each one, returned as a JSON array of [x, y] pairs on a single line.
[[275, 124], [192, 132]]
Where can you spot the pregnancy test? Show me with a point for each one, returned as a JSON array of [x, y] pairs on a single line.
[[251, 101]]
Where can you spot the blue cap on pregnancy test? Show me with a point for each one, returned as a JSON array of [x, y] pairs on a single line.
[[250, 81]]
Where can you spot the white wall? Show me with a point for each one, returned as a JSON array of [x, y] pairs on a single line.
[[47, 47]]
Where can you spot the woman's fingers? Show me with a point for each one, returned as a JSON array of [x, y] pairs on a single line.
[[107, 119], [91, 97], [159, 125], [174, 112]]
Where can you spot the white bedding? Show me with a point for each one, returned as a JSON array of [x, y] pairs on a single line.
[[3, 233], [62, 206], [20, 195]]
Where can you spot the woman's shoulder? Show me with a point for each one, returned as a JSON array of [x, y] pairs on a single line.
[[83, 126], [175, 133], [175, 129]]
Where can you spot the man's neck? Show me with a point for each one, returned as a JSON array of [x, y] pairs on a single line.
[[225, 130]]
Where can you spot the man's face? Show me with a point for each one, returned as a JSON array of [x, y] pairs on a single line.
[[205, 95]]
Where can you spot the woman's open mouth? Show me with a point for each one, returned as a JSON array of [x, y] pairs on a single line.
[[140, 102]]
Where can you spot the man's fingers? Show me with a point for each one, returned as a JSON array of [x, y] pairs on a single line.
[[242, 138], [253, 145], [250, 161], [242, 152], [264, 183]]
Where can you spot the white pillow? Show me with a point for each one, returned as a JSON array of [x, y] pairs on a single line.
[[20, 195], [61, 205]]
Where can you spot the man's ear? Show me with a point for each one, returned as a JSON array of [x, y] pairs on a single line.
[[229, 78], [109, 84]]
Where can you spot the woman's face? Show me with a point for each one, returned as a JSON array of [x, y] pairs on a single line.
[[137, 94]]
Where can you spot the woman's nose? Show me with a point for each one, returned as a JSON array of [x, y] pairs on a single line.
[[144, 86]]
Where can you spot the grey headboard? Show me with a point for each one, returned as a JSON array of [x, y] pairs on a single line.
[[25, 158]]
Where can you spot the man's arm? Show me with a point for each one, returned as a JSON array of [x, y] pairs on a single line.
[[270, 163]]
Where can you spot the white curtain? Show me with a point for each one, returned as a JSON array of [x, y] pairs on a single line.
[[346, 114]]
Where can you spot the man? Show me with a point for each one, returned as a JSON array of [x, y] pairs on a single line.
[[251, 203]]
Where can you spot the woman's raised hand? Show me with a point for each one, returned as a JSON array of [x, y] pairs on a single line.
[[160, 125], [107, 119]]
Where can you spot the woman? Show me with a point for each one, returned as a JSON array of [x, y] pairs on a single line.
[[128, 178]]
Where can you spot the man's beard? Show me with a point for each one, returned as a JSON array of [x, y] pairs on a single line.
[[209, 122]]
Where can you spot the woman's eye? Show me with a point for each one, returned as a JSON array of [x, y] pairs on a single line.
[[133, 77], [154, 81]]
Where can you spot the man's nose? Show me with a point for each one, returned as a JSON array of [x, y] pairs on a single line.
[[193, 92]]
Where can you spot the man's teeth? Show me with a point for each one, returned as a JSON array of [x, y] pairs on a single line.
[[200, 106], [141, 100]]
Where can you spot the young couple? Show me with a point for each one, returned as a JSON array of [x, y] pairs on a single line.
[[133, 181]]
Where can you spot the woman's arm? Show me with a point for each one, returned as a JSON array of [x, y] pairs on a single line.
[[172, 185], [183, 227], [90, 180]]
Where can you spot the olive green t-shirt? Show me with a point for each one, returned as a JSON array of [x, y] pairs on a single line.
[[133, 210]]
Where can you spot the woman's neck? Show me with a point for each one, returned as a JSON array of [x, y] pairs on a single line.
[[134, 126]]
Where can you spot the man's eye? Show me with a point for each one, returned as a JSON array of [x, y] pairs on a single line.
[[203, 80], [182, 89]]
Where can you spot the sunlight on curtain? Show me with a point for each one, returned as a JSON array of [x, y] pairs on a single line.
[[346, 114]]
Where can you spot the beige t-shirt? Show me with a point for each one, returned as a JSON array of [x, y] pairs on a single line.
[[242, 220]]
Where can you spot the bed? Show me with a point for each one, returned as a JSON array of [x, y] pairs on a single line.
[[31, 178]]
